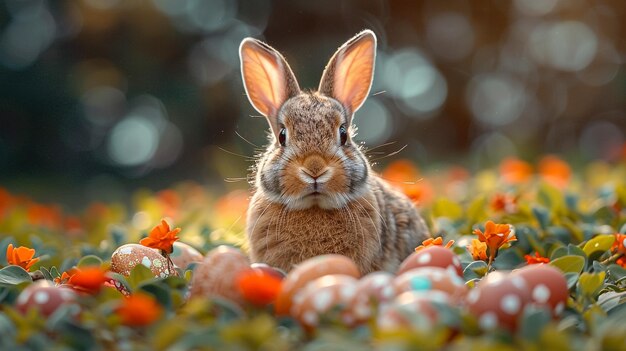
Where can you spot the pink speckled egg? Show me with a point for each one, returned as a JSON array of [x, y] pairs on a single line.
[[322, 295], [547, 286], [309, 270], [411, 310], [126, 257], [431, 278], [433, 256], [185, 254], [216, 275], [371, 290], [498, 300], [45, 297]]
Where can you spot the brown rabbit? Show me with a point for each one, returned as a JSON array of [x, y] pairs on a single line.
[[315, 192]]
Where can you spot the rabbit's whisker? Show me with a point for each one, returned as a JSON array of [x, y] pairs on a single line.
[[246, 140], [390, 154], [247, 158]]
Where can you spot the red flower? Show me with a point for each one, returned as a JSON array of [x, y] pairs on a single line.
[[515, 171], [621, 261], [258, 287], [138, 310], [536, 259], [504, 203], [555, 171], [89, 279], [161, 237], [21, 256], [438, 241]]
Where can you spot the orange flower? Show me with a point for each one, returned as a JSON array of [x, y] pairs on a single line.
[[536, 259], [478, 250], [619, 245], [138, 310], [515, 171], [555, 171], [44, 216], [89, 279], [258, 287], [170, 200], [64, 277], [161, 237], [495, 236], [504, 203], [438, 241], [21, 256]]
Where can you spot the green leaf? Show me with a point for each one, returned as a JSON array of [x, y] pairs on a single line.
[[551, 197], [616, 272], [446, 208], [46, 273], [599, 243], [89, 260], [159, 291], [572, 279], [542, 216], [570, 263], [533, 322], [14, 275], [138, 275], [591, 283], [476, 269]]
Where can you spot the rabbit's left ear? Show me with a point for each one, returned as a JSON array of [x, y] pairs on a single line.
[[349, 73]]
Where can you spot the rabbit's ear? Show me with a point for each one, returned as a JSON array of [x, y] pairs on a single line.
[[348, 75], [268, 80]]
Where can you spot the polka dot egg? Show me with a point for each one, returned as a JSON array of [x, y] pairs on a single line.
[[371, 290], [498, 300], [308, 271], [429, 279], [433, 256], [44, 297], [411, 310], [325, 294], [547, 286], [126, 257]]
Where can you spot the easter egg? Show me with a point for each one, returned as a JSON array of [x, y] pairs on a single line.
[[411, 310], [324, 294], [278, 273], [185, 254], [429, 279], [216, 275], [547, 286], [45, 297], [498, 300], [433, 256], [126, 257], [309, 270], [371, 290]]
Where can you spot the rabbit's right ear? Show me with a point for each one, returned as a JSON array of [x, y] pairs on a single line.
[[268, 80]]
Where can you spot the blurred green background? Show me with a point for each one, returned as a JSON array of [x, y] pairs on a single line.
[[100, 97]]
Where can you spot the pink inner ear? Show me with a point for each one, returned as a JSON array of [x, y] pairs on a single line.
[[264, 79], [353, 75]]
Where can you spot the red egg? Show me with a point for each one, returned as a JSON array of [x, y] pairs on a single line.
[[498, 300], [216, 275], [431, 278], [45, 297], [308, 271], [433, 256], [547, 286], [126, 257], [371, 290], [411, 310], [322, 295], [184, 254]]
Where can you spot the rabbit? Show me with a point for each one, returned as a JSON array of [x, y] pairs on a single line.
[[314, 190]]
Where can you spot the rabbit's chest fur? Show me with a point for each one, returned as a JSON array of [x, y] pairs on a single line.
[[284, 238]]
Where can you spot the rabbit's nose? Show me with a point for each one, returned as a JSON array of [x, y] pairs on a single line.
[[314, 165]]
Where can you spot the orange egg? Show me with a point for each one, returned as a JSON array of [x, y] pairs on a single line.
[[126, 257], [184, 254]]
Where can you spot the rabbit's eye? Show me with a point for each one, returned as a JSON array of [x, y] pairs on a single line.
[[343, 134], [282, 136]]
